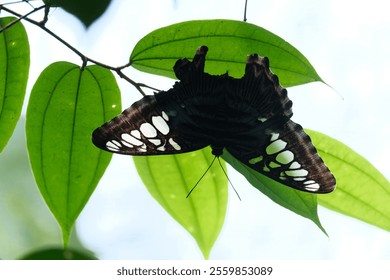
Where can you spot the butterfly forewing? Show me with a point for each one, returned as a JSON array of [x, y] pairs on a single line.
[[142, 129], [289, 157]]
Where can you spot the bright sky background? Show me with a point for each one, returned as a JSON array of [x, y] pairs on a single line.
[[348, 44]]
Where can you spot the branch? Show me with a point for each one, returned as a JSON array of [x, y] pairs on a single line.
[[83, 57], [20, 17]]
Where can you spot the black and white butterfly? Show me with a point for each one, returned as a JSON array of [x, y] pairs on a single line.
[[249, 117]]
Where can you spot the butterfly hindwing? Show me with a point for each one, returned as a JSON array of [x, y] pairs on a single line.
[[289, 157], [143, 129]]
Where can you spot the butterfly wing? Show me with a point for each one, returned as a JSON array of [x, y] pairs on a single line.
[[146, 129], [288, 156], [250, 117], [158, 124]]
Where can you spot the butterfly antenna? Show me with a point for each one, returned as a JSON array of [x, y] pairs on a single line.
[[208, 168], [224, 172]]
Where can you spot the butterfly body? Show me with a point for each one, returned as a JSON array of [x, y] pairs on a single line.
[[249, 117]]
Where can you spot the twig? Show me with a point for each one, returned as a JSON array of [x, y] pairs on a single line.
[[119, 72], [246, 4], [83, 57], [149, 87], [46, 15], [42, 26], [20, 17]]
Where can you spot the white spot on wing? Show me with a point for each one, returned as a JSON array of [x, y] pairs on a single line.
[[155, 142], [148, 130], [255, 160], [299, 178], [285, 157], [295, 165], [127, 144], [165, 116], [312, 187], [174, 144], [160, 124], [142, 148], [274, 136], [136, 134], [131, 140], [116, 143], [273, 164], [276, 147], [162, 148], [297, 173], [309, 182], [111, 146]]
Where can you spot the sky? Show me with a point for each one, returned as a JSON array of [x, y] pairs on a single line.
[[346, 41]]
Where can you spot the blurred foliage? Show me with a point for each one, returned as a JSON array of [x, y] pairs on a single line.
[[58, 254], [87, 11]]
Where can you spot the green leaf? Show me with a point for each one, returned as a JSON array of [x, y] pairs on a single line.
[[301, 203], [65, 106], [362, 191], [170, 178], [14, 66], [87, 11], [58, 254], [229, 43]]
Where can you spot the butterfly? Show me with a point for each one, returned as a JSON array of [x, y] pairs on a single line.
[[250, 117]]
